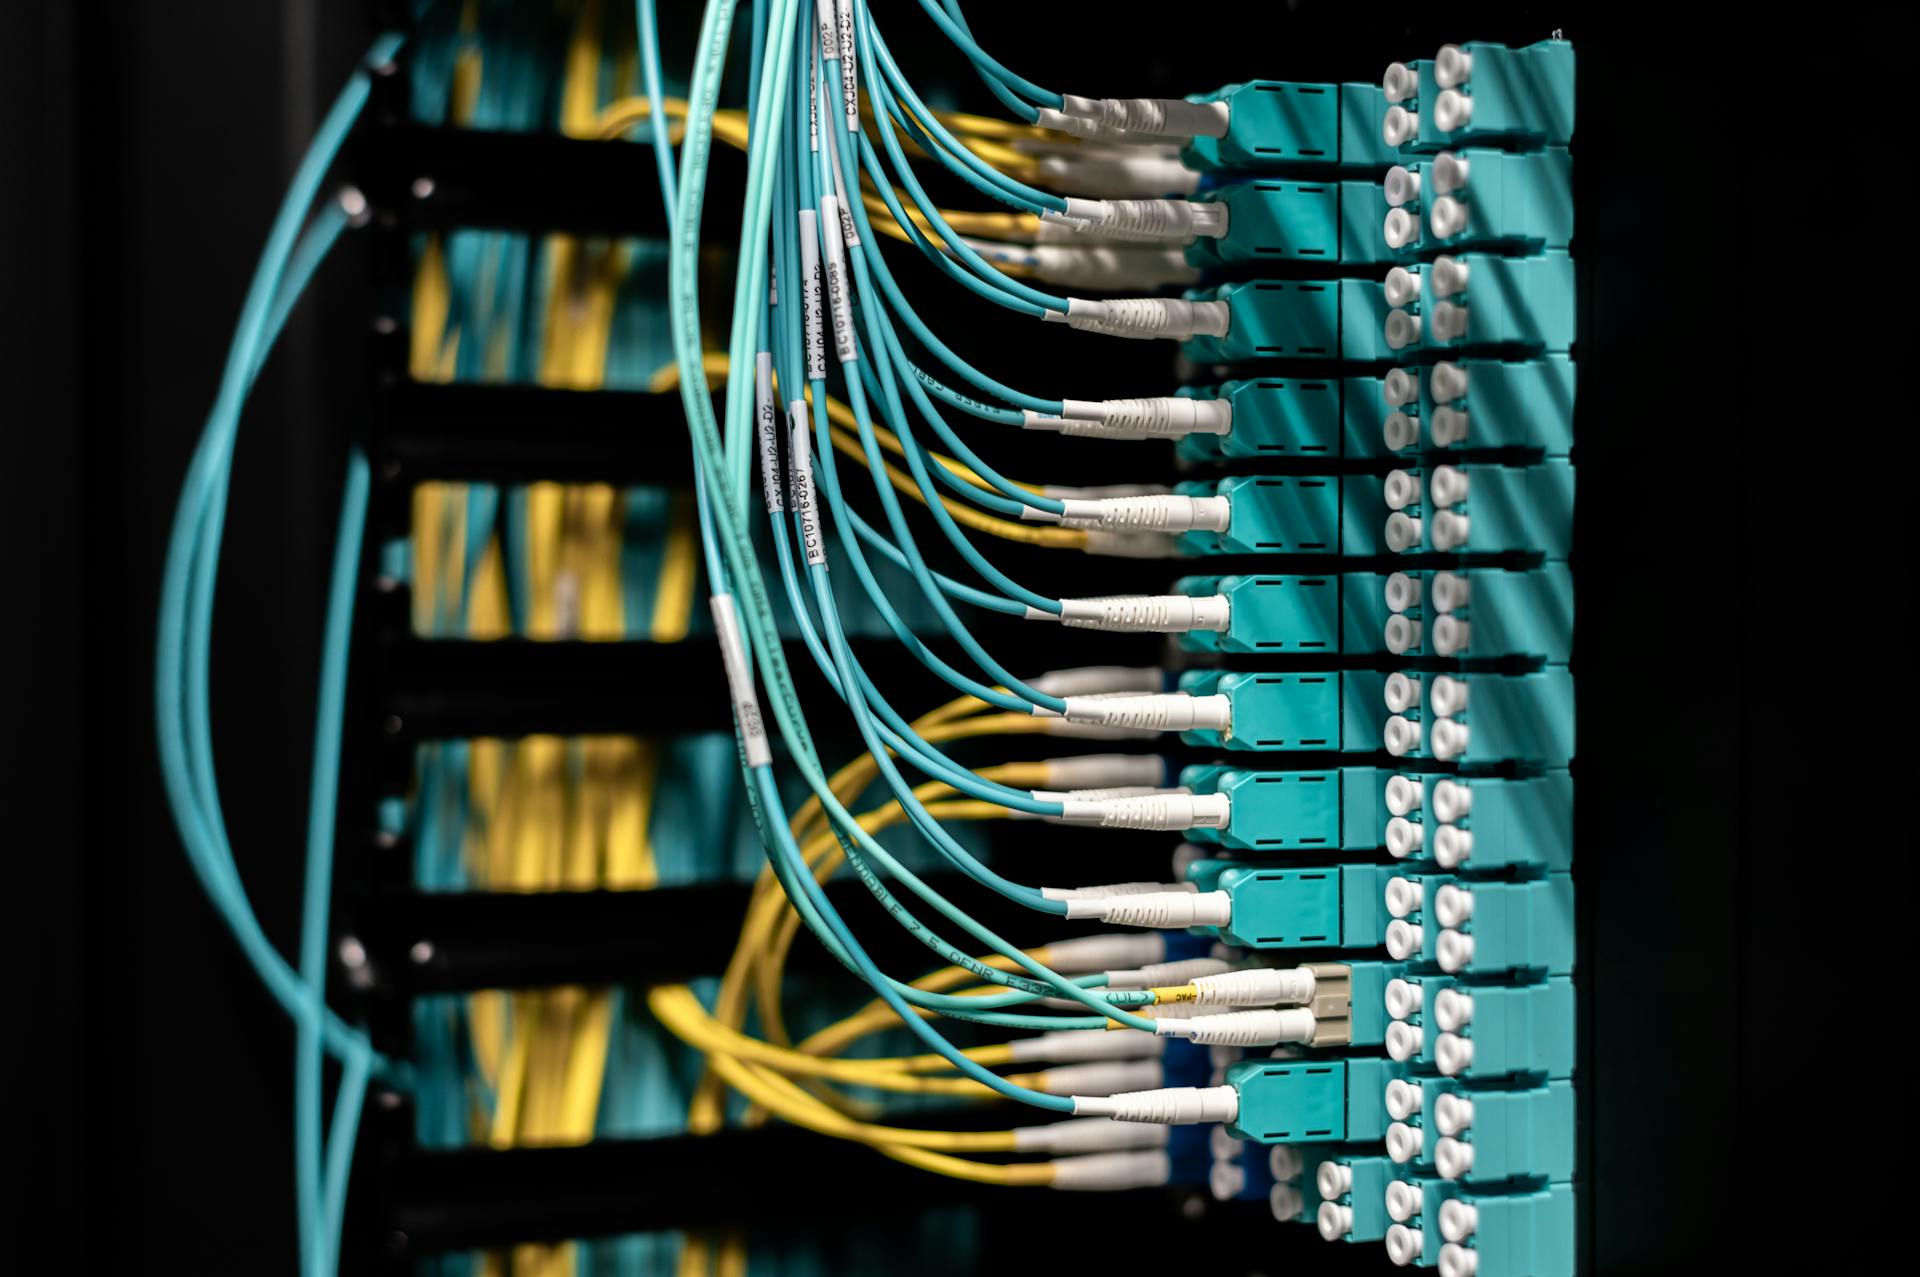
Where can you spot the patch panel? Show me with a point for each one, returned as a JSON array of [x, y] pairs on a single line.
[[1478, 198]]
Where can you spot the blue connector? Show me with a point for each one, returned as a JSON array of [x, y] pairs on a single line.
[[1476, 302], [1296, 319], [1482, 718], [1271, 220], [1321, 907], [1348, 1194], [1338, 612], [1483, 1032], [1294, 417], [1487, 612], [1293, 514], [1478, 92], [1479, 824], [1339, 1101], [1335, 711], [1475, 509], [1293, 811], [1482, 928], [1275, 125], [1476, 404]]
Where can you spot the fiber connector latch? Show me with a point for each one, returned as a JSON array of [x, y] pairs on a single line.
[[1334, 711], [1294, 319], [1268, 907], [1292, 514], [1332, 612], [1276, 811], [1297, 417], [1316, 1101]]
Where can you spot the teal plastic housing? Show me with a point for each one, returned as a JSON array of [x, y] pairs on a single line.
[[1277, 125], [1508, 510], [1342, 711], [1518, 404], [1517, 927], [1521, 1234], [1333, 612], [1312, 1101], [1271, 219], [1367, 1009], [1508, 613], [1524, 718], [1520, 97], [1366, 1195], [1294, 417], [1516, 823], [1522, 202], [1293, 514], [1296, 319], [1508, 301], [1317, 907], [1519, 1134], [1293, 811], [1517, 1030]]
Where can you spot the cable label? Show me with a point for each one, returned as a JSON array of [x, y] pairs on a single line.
[[746, 701], [849, 80], [837, 295], [810, 295], [769, 434], [813, 102], [801, 471], [849, 233]]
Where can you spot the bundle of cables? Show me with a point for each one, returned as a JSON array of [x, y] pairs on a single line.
[[829, 365]]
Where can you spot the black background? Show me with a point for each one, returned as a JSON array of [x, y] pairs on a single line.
[[1736, 428]]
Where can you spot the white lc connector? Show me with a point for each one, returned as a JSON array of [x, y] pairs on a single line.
[[1168, 909], [1143, 613], [1145, 317], [1176, 222]]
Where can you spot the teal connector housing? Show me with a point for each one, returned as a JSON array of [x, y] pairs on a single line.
[[1516, 1030], [1481, 824], [1294, 417], [1322, 907], [1498, 200], [1340, 711], [1494, 510], [1277, 125], [1360, 1213], [1293, 811], [1335, 612], [1504, 302], [1293, 514], [1470, 404], [1296, 319], [1505, 613], [1272, 220], [1521, 97], [1367, 1009], [1507, 927], [1338, 1101], [1494, 718], [1522, 1134], [1523, 1234]]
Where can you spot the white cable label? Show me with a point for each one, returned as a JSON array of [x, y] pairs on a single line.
[[837, 294], [849, 79], [810, 295], [805, 503], [813, 102], [746, 702], [823, 18], [848, 232], [769, 433]]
